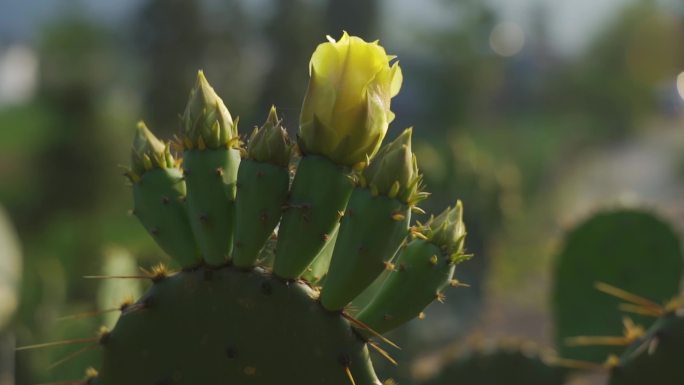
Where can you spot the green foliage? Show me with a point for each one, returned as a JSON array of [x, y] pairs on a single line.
[[632, 250]]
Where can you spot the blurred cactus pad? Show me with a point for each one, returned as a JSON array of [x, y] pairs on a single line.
[[606, 262], [334, 211], [496, 363]]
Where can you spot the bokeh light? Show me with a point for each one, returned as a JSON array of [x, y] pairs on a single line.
[[507, 39]]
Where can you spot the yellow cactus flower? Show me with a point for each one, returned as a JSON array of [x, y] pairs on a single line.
[[346, 110]]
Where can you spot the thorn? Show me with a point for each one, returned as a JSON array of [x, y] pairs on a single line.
[[575, 364], [457, 283], [340, 213], [325, 237], [441, 297], [389, 265], [88, 314], [72, 356], [398, 217], [598, 340], [421, 316], [115, 277], [641, 310], [219, 171], [157, 273], [58, 343], [627, 296], [382, 352], [368, 328], [349, 375], [434, 260]]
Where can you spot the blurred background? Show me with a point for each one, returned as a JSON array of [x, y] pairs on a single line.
[[533, 112]]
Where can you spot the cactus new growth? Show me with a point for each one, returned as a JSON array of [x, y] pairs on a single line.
[[226, 316]]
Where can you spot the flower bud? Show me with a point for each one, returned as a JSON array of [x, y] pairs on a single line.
[[346, 110], [148, 152], [447, 231], [394, 172], [270, 143], [206, 120]]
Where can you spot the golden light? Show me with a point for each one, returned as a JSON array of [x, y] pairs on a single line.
[[680, 85]]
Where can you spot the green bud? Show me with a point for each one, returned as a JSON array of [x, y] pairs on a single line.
[[394, 171], [270, 143], [148, 152], [447, 231], [206, 120]]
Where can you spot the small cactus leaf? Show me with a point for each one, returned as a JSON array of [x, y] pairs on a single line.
[[496, 365], [318, 269], [262, 192], [656, 358], [423, 270], [628, 249], [371, 231], [158, 203], [211, 177], [318, 197], [216, 326]]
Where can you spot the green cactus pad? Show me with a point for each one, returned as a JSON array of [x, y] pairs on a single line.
[[318, 197], [158, 203], [217, 327], [500, 365], [656, 358], [422, 272], [211, 176], [630, 249], [317, 270], [262, 192], [370, 233]]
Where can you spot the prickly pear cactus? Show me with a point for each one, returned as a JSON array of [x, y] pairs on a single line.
[[501, 363], [655, 357], [618, 252], [226, 316]]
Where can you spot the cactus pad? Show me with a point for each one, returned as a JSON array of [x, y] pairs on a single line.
[[629, 249], [228, 326], [500, 365], [656, 358]]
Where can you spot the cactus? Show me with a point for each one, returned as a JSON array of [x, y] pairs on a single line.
[[655, 357], [628, 249], [226, 316], [501, 362]]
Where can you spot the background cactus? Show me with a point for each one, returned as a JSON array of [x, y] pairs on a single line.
[[629, 249], [494, 363]]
